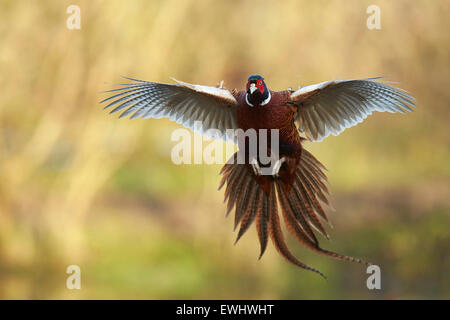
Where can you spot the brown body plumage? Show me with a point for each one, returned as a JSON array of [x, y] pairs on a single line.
[[276, 114]]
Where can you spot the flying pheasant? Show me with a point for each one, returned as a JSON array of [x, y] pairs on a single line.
[[296, 184]]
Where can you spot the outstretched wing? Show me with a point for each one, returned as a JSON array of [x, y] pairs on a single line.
[[182, 102], [333, 106]]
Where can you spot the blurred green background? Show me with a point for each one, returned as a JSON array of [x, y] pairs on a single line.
[[78, 186]]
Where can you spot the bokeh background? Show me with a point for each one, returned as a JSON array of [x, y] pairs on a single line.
[[78, 186]]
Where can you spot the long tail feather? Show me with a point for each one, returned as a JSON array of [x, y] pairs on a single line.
[[252, 211], [277, 236], [244, 202], [261, 224], [301, 206], [287, 207]]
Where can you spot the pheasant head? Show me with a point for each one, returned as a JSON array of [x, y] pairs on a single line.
[[257, 92]]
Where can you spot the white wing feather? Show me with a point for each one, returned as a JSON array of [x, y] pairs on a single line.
[[331, 107], [183, 103]]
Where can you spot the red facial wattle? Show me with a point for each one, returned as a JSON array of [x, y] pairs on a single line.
[[260, 86]]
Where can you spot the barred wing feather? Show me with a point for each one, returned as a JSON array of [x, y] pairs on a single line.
[[333, 106], [181, 102]]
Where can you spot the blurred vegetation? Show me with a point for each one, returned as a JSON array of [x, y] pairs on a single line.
[[78, 186]]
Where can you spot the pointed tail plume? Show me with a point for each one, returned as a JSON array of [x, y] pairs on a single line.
[[259, 198]]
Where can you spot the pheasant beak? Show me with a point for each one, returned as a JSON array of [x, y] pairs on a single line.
[[252, 88]]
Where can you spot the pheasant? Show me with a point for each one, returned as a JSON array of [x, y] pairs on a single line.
[[296, 186]]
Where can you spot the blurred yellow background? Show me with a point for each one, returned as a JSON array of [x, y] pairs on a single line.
[[78, 186]]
